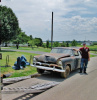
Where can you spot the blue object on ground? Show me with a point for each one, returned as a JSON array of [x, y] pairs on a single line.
[[27, 63], [23, 61], [20, 63], [17, 65]]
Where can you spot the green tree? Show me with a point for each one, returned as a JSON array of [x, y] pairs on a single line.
[[31, 43], [38, 42], [47, 43], [31, 37], [74, 43], [44, 45], [67, 44], [21, 38], [24, 37], [9, 24], [63, 44], [56, 44]]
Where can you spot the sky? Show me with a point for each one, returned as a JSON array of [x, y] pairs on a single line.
[[72, 19]]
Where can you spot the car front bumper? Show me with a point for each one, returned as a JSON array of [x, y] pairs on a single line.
[[48, 68]]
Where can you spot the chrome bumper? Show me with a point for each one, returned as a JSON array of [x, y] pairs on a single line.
[[48, 68]]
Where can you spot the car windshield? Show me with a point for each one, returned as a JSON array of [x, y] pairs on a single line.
[[59, 50]]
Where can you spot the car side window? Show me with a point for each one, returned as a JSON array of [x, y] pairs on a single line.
[[76, 53]]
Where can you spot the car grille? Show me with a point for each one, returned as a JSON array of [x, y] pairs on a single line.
[[47, 65]]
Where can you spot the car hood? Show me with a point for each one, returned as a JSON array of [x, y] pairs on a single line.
[[51, 57]]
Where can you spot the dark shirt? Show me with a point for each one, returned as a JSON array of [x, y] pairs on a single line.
[[84, 52]]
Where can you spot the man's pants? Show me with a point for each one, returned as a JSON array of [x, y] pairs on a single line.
[[84, 63]]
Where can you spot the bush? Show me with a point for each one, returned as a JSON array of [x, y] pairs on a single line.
[[95, 43]]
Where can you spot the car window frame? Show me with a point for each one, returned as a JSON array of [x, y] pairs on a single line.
[[74, 53]]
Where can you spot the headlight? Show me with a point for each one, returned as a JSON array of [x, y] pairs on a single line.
[[59, 62], [34, 60]]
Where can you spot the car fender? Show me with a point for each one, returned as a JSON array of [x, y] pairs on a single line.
[[67, 61]]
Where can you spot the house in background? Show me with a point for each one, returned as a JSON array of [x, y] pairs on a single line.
[[88, 42]]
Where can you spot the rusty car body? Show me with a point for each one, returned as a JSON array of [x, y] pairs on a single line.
[[60, 59]]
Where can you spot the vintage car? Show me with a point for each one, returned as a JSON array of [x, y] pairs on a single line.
[[60, 59]]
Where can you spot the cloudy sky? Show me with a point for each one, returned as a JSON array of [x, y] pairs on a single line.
[[73, 19]]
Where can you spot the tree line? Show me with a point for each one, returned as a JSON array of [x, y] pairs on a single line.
[[62, 44]]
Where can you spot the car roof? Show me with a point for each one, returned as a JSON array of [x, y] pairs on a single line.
[[66, 47]]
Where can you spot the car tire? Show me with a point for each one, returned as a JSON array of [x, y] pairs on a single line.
[[66, 73], [40, 71]]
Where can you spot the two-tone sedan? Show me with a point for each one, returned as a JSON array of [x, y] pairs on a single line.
[[60, 59]]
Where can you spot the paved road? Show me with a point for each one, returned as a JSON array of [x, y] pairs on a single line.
[[29, 51], [75, 87]]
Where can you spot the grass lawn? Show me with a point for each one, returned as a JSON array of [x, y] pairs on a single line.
[[93, 56], [95, 52], [12, 58], [90, 47]]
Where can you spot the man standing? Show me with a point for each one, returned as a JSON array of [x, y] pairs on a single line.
[[85, 58]]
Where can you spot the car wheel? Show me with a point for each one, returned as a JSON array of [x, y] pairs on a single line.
[[66, 73], [40, 71]]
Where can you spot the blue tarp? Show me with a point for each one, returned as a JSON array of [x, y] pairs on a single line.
[[20, 63]]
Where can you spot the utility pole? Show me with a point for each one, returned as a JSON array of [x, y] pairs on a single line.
[[52, 32]]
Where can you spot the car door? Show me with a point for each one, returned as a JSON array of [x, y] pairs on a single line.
[[77, 59]]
